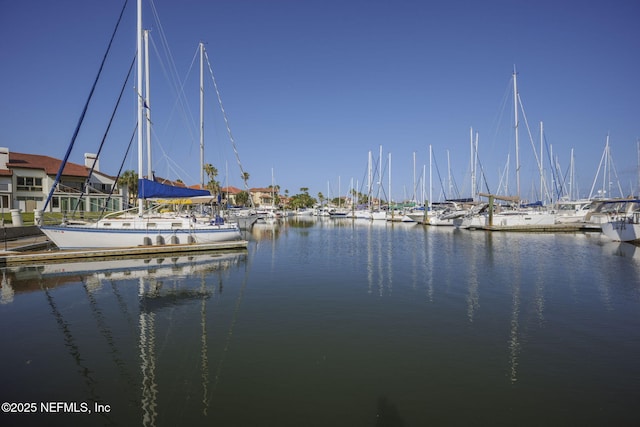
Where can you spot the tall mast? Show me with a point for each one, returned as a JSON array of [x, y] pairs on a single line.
[[473, 165], [379, 176], [542, 163], [430, 175], [450, 188], [515, 112], [606, 176], [147, 104], [638, 150], [389, 203], [369, 179], [202, 115], [424, 183], [140, 100], [571, 178], [414, 176]]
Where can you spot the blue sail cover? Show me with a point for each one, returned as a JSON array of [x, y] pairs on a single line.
[[149, 189]]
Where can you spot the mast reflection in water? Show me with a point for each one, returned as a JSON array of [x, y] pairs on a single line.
[[336, 322]]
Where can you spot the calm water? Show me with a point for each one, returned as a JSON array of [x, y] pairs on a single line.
[[332, 323]]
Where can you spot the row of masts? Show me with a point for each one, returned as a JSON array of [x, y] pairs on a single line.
[[568, 188], [547, 194]]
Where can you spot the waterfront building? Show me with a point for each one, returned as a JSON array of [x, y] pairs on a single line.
[[26, 179]]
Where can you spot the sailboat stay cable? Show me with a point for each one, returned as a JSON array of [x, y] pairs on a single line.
[[535, 153], [124, 159], [555, 173], [84, 111], [562, 189], [444, 192], [104, 137], [226, 121], [181, 98]]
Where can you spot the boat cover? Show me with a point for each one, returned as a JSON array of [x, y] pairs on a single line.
[[149, 189]]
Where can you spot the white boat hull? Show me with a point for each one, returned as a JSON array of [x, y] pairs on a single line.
[[507, 220], [621, 231], [131, 233], [379, 215]]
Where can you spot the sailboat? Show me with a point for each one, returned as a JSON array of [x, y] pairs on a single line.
[[624, 222], [151, 227], [517, 215]]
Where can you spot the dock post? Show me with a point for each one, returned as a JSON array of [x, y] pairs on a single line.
[[16, 218], [491, 200], [425, 218]]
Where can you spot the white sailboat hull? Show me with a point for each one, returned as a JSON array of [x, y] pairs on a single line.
[[515, 219], [139, 232], [379, 215]]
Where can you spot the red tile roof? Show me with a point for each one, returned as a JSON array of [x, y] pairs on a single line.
[[262, 190], [231, 190], [46, 163]]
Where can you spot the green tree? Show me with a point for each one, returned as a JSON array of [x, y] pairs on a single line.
[[303, 200], [213, 186], [129, 180], [276, 197], [242, 198]]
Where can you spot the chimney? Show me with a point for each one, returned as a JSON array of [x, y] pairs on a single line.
[[89, 158], [4, 157]]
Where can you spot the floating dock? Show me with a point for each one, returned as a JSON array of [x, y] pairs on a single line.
[[9, 258], [550, 228]]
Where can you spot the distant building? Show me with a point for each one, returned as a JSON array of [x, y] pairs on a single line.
[[263, 196], [230, 194], [26, 179]]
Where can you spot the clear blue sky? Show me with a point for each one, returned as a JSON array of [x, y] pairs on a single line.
[[310, 87]]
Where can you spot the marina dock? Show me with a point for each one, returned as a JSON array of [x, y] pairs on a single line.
[[551, 228], [21, 251]]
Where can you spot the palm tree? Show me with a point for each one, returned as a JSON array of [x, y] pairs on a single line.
[[129, 180], [245, 178], [212, 172]]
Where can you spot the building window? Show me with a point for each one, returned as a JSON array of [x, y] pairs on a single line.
[[24, 198], [29, 183]]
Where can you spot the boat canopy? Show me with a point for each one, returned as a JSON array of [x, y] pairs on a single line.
[[536, 204], [463, 200], [148, 189], [621, 201]]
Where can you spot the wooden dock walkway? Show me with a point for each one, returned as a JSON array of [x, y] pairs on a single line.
[[9, 257]]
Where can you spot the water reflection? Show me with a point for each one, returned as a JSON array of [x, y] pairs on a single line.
[[356, 318], [387, 414], [166, 289]]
